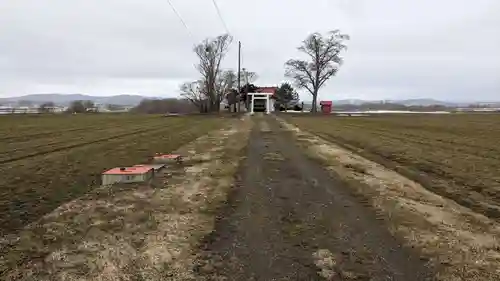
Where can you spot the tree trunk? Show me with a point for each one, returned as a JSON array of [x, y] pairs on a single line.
[[314, 108]]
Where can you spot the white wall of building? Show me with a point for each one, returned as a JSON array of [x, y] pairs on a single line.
[[108, 179]]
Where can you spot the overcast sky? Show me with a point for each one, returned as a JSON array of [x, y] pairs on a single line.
[[442, 49]]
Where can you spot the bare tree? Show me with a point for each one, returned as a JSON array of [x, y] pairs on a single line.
[[89, 106], [226, 81], [81, 106], [195, 93], [324, 62], [46, 107], [252, 76], [210, 53], [248, 75], [77, 106], [248, 78]]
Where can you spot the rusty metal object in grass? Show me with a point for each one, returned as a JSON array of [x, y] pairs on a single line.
[[168, 158], [156, 167]]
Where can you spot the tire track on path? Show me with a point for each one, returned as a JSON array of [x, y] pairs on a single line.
[[288, 219]]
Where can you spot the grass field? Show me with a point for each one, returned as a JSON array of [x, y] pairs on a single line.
[[48, 160], [456, 156]]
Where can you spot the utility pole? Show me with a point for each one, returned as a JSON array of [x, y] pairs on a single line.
[[239, 78]]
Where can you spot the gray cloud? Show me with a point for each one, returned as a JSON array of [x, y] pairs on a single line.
[[399, 49]]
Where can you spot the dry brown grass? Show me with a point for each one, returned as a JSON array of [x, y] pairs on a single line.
[[456, 156], [132, 232], [46, 161], [462, 244]]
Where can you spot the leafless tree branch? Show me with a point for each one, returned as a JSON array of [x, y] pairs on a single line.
[[195, 93], [211, 52], [324, 61]]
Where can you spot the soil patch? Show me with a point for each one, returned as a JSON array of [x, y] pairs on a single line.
[[132, 232], [289, 219], [461, 244]]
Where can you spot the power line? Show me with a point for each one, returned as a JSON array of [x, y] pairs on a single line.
[[220, 16], [180, 18]]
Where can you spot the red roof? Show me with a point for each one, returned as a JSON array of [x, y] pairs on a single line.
[[128, 171], [267, 90], [270, 90], [326, 102]]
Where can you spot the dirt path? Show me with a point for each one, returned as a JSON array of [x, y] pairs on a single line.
[[288, 219]]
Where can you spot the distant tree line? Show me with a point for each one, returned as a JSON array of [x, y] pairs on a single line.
[[170, 105], [389, 106], [81, 106], [46, 107]]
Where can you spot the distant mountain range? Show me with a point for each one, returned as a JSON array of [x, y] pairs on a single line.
[[411, 102], [408, 102], [132, 100], [63, 99]]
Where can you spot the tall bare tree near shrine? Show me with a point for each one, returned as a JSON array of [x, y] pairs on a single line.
[[323, 62], [211, 52]]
